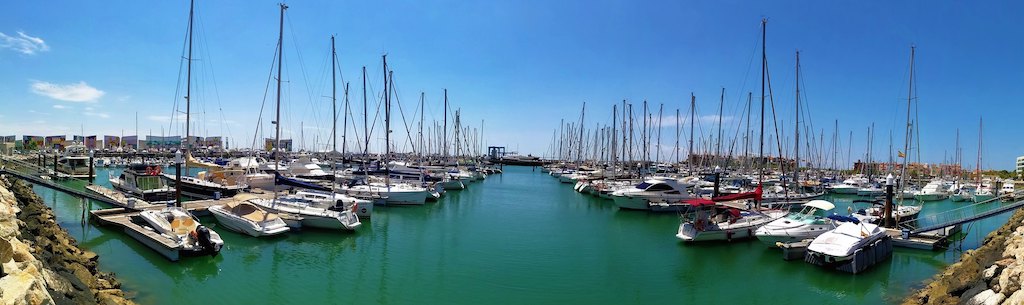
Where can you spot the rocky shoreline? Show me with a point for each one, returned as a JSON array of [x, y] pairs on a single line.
[[41, 263], [990, 274]]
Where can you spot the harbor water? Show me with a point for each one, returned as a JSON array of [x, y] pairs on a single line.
[[515, 238]]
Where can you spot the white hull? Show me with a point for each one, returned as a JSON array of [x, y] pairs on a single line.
[[930, 197], [245, 226], [631, 202]]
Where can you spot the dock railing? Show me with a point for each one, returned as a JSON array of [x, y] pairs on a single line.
[[961, 215]]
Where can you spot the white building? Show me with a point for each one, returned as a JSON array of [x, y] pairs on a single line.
[[1020, 166]]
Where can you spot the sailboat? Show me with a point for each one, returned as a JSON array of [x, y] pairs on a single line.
[[176, 221], [311, 216]]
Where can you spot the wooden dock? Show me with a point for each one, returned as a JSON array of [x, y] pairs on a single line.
[[127, 219]]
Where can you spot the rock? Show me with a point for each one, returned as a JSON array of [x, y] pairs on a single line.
[[1009, 279], [6, 250], [1004, 262], [57, 283], [990, 272], [970, 293], [23, 288], [987, 297]]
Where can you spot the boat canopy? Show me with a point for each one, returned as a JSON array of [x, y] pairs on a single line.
[[756, 195], [698, 202], [842, 218], [820, 204]]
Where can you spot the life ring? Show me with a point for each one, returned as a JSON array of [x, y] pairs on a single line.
[[363, 211]]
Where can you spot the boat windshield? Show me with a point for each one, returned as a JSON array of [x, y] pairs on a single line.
[[643, 185], [146, 183]]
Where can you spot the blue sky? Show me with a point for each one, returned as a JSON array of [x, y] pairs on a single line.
[[521, 66]]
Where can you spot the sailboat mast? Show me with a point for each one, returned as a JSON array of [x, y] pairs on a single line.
[[334, 97], [906, 142], [796, 152], [387, 122], [693, 114], [188, 85], [764, 74], [277, 120], [444, 140], [366, 125]]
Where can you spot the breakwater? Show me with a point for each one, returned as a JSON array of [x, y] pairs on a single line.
[[989, 274], [41, 263]]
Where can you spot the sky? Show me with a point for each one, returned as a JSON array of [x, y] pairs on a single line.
[[516, 68]]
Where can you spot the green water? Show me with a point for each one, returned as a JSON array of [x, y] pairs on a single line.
[[516, 238]]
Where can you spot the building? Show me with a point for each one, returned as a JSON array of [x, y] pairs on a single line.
[[163, 143], [1020, 166], [286, 145]]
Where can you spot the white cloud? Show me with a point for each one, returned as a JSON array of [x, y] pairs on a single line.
[[59, 106], [78, 92], [23, 43], [713, 118], [97, 114]]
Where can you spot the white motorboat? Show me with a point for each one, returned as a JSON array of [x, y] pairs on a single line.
[[933, 191], [796, 226], [247, 218], [312, 216], [984, 194], [639, 196], [841, 243], [870, 191], [181, 227], [901, 212], [711, 221], [843, 188], [306, 167], [249, 167]]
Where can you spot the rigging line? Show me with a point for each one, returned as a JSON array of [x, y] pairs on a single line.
[[177, 86], [266, 92], [408, 133], [302, 68]]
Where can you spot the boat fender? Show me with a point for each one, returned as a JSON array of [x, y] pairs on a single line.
[[728, 235], [203, 237], [699, 224], [355, 206], [363, 210]]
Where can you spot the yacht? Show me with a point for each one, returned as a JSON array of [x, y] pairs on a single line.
[[933, 191], [840, 244], [984, 193], [247, 218], [75, 162], [306, 168], [796, 226], [249, 168], [716, 222], [395, 194], [1007, 190], [639, 196], [191, 237], [900, 212], [143, 181], [311, 215], [215, 182]]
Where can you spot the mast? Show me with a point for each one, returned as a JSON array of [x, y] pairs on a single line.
[[387, 123], [334, 111], [579, 150], [366, 127], [657, 153], [277, 121], [693, 115], [188, 88], [764, 74], [718, 143], [796, 153], [978, 166], [444, 139], [906, 142]]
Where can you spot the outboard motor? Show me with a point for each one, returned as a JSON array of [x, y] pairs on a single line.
[[203, 237]]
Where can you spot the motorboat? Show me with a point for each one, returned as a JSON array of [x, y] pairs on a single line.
[[182, 228], [306, 168], [395, 194], [933, 191], [984, 193], [247, 218], [75, 162], [807, 223], [901, 212], [214, 183], [143, 181], [844, 188], [639, 196], [713, 221], [311, 215], [249, 168], [840, 244]]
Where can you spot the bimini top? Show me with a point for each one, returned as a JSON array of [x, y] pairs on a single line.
[[820, 204]]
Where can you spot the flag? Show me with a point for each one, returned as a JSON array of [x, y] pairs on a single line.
[[901, 154]]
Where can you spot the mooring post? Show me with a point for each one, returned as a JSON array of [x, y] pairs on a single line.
[[55, 164], [888, 201], [92, 172]]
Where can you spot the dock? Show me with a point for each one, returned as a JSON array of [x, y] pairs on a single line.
[[127, 219]]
